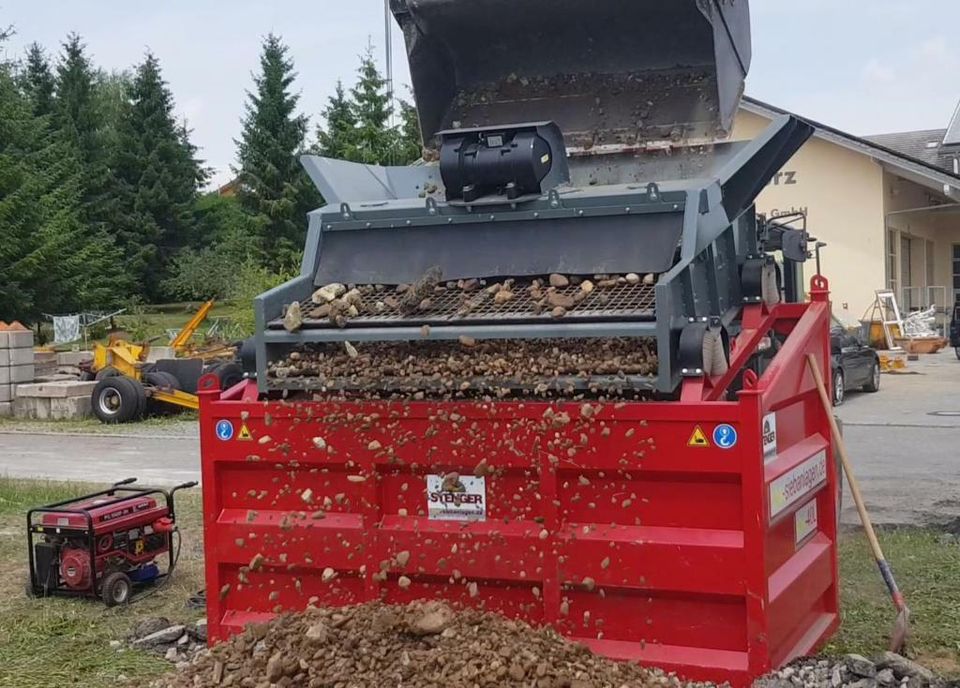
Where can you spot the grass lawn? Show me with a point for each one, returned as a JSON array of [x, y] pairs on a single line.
[[66, 642], [184, 423]]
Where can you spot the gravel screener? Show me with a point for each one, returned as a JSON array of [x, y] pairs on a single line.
[[557, 370]]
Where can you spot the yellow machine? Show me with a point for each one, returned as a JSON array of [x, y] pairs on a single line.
[[126, 381]]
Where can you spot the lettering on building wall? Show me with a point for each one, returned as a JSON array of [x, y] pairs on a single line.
[[792, 210], [784, 178]]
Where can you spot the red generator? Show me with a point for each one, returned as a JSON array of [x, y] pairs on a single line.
[[104, 544], [560, 371]]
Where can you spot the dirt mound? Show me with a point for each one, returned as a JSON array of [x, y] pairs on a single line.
[[422, 645]]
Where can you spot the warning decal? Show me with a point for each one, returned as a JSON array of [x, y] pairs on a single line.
[[698, 438], [244, 435]]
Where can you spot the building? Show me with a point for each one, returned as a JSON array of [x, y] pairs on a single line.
[[888, 207]]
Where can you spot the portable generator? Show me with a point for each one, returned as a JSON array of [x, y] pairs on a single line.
[[105, 544]]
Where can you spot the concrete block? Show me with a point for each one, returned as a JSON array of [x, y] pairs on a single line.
[[12, 357], [160, 353], [43, 408], [73, 358], [56, 390], [16, 339], [17, 374], [6, 409], [6, 393]]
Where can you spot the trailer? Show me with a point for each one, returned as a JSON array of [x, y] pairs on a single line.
[[679, 511]]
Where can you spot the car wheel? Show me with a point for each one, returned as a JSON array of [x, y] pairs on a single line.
[[839, 388], [874, 384], [166, 382], [957, 350], [106, 372]]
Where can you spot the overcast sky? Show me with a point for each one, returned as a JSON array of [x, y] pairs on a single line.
[[864, 66]]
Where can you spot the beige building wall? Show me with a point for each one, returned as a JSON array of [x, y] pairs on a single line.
[[842, 192]]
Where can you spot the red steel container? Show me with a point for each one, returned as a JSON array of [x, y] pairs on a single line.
[[697, 535]]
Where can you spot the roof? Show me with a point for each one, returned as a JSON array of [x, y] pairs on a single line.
[[936, 175], [919, 145]]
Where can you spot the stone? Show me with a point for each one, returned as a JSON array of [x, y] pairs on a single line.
[[40, 408], [12, 357], [275, 667], [903, 667], [115, 644], [650, 280], [858, 665], [434, 620], [56, 390], [863, 683], [886, 677], [17, 374], [587, 287], [159, 638], [171, 654], [73, 358], [559, 281], [16, 339], [836, 676], [633, 279], [199, 631], [293, 318], [317, 633], [328, 293]]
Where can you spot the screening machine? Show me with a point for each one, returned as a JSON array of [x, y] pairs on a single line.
[[687, 520]]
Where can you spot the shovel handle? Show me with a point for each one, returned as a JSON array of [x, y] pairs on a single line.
[[841, 449]]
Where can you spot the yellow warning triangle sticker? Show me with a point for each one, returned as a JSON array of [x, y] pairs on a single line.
[[244, 435], [697, 439]]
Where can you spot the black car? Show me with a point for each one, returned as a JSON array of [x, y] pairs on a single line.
[[955, 328], [855, 365]]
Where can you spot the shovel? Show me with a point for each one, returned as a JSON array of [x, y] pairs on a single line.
[[901, 628]]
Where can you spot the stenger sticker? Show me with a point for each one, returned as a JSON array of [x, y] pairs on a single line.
[[455, 497], [794, 485]]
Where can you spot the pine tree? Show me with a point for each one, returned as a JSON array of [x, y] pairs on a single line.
[[37, 81], [158, 175], [273, 186], [375, 141], [338, 138], [51, 261], [410, 144]]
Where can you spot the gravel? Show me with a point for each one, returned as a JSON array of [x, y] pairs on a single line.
[[425, 645], [888, 670], [465, 366]]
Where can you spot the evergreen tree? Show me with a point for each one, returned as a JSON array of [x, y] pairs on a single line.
[[375, 141], [158, 176], [51, 261], [37, 82], [357, 127], [338, 138], [273, 186]]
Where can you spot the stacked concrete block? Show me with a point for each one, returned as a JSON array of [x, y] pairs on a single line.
[[62, 400], [16, 362]]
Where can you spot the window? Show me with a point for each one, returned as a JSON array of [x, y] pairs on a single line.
[[956, 271], [892, 260]]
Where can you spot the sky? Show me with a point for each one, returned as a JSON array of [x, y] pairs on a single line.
[[863, 66]]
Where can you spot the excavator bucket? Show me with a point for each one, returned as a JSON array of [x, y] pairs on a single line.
[[619, 72]]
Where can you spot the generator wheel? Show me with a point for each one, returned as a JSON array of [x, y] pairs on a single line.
[[105, 373], [164, 381], [118, 400], [116, 589], [229, 374]]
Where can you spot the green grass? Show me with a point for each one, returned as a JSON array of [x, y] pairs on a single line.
[[927, 567], [92, 426], [66, 642]]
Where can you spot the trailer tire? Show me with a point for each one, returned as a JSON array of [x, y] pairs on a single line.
[[117, 589], [229, 374], [164, 381], [839, 388], [109, 371], [118, 399]]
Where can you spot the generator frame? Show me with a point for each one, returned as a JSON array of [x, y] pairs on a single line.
[[37, 589]]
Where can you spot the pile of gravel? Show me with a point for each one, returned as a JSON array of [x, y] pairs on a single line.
[[888, 670], [421, 645]]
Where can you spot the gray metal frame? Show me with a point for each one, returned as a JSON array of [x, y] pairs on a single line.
[[704, 228]]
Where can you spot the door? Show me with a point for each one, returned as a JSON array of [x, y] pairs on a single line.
[[857, 361]]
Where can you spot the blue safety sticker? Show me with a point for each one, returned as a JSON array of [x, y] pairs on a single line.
[[224, 430], [725, 436]]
